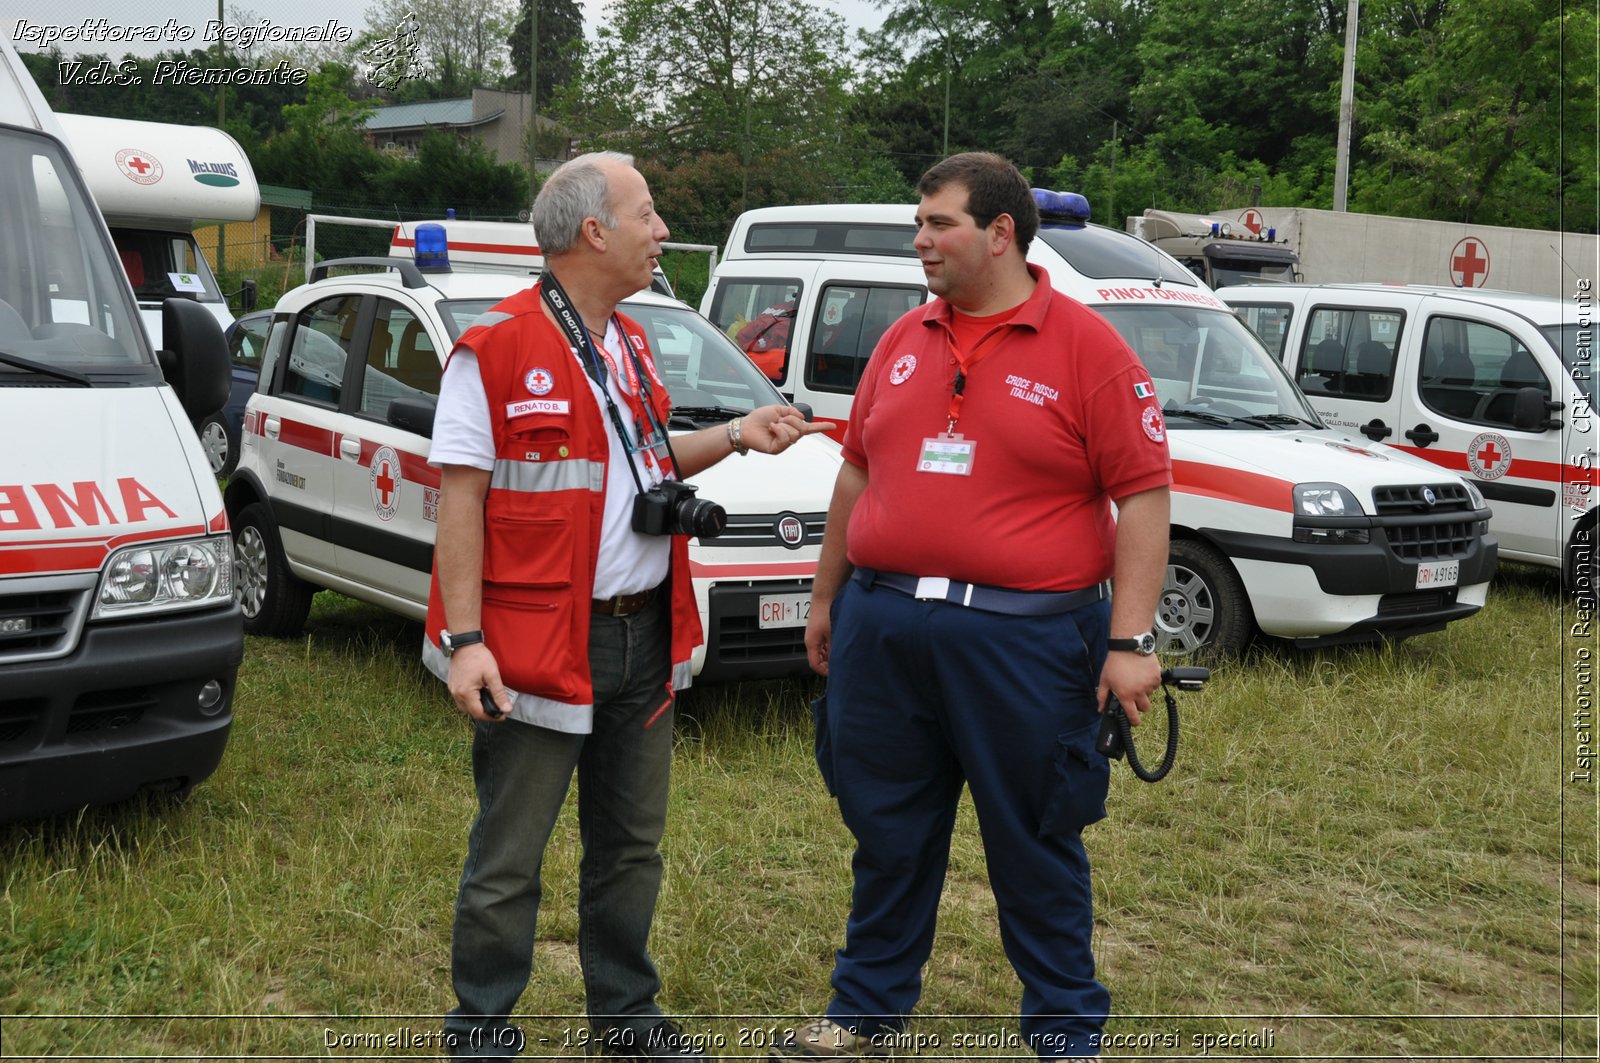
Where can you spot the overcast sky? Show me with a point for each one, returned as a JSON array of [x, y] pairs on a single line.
[[127, 15]]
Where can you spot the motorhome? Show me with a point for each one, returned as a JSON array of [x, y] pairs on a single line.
[[156, 182]]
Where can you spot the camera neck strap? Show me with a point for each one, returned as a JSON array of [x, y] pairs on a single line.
[[654, 443]]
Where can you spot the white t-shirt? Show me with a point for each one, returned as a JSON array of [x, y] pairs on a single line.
[[629, 562]]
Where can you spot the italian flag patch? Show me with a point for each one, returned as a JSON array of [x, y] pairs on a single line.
[[1143, 390]]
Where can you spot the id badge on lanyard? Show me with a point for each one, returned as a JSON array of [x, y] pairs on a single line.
[[949, 453]]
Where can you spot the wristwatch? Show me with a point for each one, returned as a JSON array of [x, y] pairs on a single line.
[[451, 643], [1144, 644]]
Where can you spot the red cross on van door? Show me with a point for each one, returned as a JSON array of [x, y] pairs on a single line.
[[385, 482], [1469, 263]]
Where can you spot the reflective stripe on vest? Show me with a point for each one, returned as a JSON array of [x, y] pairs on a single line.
[[573, 474]]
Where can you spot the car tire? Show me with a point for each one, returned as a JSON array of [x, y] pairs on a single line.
[[1203, 609], [222, 450], [275, 601]]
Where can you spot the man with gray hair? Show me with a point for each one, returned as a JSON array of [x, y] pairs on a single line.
[[561, 625]]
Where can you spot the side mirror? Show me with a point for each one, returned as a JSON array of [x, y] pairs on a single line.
[[247, 295], [805, 411], [413, 415], [1530, 411], [195, 361]]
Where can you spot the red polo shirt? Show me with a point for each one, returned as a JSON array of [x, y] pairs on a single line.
[[1064, 419]]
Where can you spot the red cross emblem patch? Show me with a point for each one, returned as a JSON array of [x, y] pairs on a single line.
[[540, 381], [1489, 455]]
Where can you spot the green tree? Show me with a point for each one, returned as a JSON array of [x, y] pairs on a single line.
[[560, 46], [759, 85], [1477, 112]]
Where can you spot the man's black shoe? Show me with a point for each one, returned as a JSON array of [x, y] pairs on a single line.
[[662, 1041]]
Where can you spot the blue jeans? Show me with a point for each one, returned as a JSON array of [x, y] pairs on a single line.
[[922, 698], [522, 775]]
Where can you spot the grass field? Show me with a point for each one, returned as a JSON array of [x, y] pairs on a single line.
[[1371, 853]]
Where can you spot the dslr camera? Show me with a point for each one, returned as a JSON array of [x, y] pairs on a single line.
[[670, 508]]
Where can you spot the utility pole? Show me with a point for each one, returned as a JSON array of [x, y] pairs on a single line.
[[1347, 91], [533, 99], [222, 98]]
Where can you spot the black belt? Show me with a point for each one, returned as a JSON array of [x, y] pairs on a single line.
[[622, 604], [978, 596]]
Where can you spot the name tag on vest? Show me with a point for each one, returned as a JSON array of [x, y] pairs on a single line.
[[527, 406]]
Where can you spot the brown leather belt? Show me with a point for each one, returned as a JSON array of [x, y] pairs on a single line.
[[622, 604]]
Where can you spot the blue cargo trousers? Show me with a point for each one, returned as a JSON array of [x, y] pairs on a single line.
[[923, 697]]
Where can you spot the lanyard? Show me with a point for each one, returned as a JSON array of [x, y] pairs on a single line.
[[965, 361], [653, 438]]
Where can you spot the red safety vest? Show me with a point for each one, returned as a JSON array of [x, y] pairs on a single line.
[[544, 507]]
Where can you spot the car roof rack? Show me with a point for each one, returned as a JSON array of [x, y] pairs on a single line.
[[410, 276]]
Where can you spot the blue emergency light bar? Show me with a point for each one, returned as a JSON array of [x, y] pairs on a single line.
[[432, 251], [1061, 208]]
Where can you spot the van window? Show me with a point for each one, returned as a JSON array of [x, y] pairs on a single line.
[[840, 238], [1101, 253], [1269, 323], [850, 320], [1575, 344], [756, 314], [1350, 352], [1471, 371], [324, 333], [61, 301], [401, 362]]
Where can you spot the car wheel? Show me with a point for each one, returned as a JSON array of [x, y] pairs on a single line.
[[220, 450], [275, 601], [1203, 607]]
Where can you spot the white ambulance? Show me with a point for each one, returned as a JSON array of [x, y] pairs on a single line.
[[1279, 524], [1494, 386], [333, 488], [155, 182], [120, 642]]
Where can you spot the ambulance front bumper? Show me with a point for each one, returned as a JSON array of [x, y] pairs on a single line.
[[127, 711], [1323, 594]]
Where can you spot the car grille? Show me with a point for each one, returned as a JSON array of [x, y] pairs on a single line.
[[40, 618], [1418, 529], [762, 529]]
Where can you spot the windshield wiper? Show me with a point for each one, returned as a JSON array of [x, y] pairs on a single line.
[[19, 362], [1199, 415], [708, 413], [1271, 419]]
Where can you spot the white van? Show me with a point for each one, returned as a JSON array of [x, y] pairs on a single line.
[[120, 642], [333, 489], [154, 182], [1494, 386], [1278, 523], [508, 247]]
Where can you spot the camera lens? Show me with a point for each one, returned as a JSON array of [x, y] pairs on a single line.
[[701, 517]]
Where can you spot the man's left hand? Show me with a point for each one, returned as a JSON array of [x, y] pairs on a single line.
[[774, 429], [1132, 679]]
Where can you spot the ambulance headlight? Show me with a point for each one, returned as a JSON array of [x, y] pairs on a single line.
[[1325, 500], [179, 575], [1328, 514], [1474, 496]]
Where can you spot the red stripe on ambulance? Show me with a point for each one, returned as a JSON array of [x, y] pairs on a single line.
[[1233, 485]]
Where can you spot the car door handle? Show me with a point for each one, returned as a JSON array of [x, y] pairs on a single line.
[[349, 448], [1376, 429], [1422, 435], [270, 427]]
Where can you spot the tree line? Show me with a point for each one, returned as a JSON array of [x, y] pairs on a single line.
[[1480, 111]]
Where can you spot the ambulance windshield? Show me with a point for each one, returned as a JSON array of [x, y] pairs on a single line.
[[63, 302], [1209, 371]]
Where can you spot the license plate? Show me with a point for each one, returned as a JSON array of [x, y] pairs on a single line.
[[1439, 574], [783, 610]]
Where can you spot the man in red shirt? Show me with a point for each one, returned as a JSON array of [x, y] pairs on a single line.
[[962, 613]]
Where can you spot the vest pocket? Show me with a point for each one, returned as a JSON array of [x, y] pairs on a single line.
[[535, 549], [533, 639], [1079, 783]]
